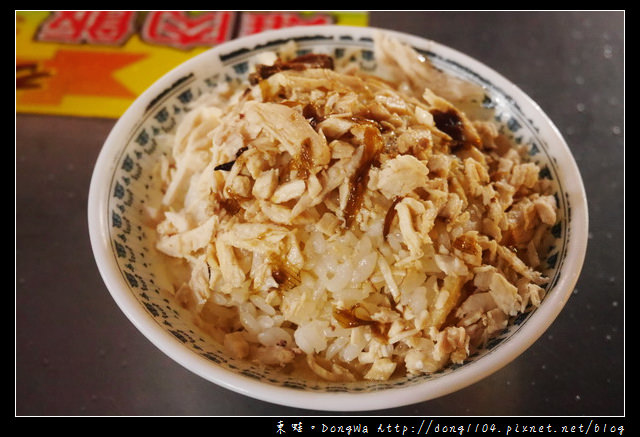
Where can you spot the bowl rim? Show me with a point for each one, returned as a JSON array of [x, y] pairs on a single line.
[[507, 351]]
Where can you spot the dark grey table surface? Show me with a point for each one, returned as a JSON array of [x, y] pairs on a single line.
[[77, 354]]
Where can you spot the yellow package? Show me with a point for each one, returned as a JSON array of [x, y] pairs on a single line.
[[95, 63]]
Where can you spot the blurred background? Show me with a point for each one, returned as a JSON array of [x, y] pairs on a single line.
[[77, 354]]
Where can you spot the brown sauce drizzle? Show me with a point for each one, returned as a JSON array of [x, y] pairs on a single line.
[[232, 206], [380, 331], [373, 144], [388, 218], [467, 290], [285, 274], [310, 112], [303, 161], [302, 62], [227, 166], [466, 244], [450, 123], [364, 119], [280, 276], [347, 318], [392, 301]]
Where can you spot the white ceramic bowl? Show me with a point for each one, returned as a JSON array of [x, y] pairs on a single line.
[[121, 186]]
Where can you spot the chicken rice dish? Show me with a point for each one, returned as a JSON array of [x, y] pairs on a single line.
[[354, 227]]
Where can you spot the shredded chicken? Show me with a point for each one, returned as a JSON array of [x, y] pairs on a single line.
[[355, 226]]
